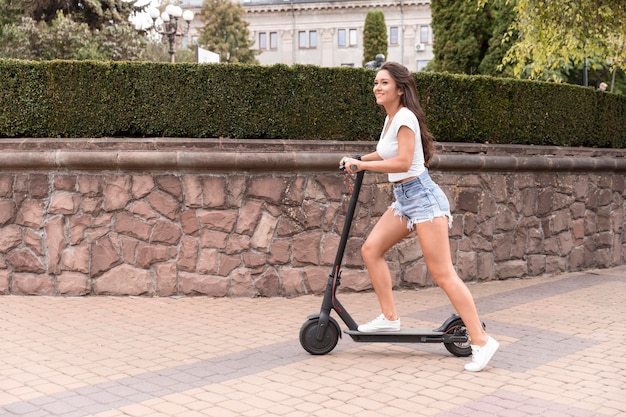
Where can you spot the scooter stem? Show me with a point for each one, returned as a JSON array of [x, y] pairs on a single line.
[[330, 300]]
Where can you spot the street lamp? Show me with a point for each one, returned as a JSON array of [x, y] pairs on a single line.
[[169, 27]]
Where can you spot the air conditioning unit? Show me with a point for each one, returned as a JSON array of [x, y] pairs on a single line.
[[419, 47]]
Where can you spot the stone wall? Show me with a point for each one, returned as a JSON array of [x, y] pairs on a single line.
[[164, 217]]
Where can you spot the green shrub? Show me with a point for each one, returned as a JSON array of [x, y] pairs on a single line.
[[98, 99]]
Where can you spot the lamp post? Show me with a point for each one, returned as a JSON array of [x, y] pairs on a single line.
[[169, 27]]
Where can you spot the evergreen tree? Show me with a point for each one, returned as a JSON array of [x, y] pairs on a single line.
[[462, 32], [10, 12], [95, 13], [226, 32], [374, 35], [501, 40]]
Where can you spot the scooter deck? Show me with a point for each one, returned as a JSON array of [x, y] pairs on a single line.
[[414, 335]]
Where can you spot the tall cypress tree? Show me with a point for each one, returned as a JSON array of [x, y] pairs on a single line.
[[374, 35], [462, 32], [500, 41]]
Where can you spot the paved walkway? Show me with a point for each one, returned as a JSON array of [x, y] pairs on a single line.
[[563, 353]]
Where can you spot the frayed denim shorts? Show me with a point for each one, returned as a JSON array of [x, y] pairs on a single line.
[[420, 200]]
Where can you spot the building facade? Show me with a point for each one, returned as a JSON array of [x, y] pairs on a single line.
[[329, 33]]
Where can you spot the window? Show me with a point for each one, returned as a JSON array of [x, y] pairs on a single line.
[[262, 40], [313, 39], [346, 37], [421, 65], [341, 37], [302, 39], [393, 35], [352, 37], [424, 34], [307, 39], [273, 40]]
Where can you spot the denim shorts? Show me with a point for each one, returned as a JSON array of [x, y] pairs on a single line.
[[420, 200]]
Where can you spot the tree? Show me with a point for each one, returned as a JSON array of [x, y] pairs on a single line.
[[64, 38], [69, 29], [226, 32], [554, 38], [95, 13], [461, 35], [501, 40], [10, 12], [374, 36]]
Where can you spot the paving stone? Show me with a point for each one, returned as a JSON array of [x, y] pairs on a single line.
[[561, 355]]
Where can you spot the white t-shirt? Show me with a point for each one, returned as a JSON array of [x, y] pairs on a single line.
[[387, 146]]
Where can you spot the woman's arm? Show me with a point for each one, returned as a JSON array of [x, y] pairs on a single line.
[[400, 163]]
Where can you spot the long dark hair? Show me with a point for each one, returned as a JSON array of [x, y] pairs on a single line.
[[406, 82]]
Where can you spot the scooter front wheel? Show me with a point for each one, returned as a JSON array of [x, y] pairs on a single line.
[[457, 327], [309, 341]]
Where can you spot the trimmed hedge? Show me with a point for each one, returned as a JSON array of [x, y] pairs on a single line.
[[103, 99]]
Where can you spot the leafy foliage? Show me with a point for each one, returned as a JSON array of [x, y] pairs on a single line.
[[64, 38], [551, 39], [226, 32], [374, 35], [69, 29], [501, 40], [461, 35], [95, 13], [96, 99]]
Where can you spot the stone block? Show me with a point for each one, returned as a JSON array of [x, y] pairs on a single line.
[[76, 258], [116, 192], [197, 284], [166, 279], [188, 255], [268, 284], [5, 281], [8, 211], [124, 280], [192, 190], [73, 284], [104, 256], [89, 185], [355, 280], [292, 282], [511, 269], [264, 232], [214, 192], [241, 284], [31, 214], [33, 284], [166, 232], [306, 249], [316, 278], [10, 237], [24, 260], [164, 204], [170, 184], [249, 216]]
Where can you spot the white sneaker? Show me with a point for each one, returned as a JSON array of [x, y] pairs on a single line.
[[481, 355], [380, 324]]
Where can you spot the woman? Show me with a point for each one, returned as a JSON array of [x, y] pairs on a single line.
[[403, 151]]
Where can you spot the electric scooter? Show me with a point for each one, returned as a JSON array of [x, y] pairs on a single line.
[[320, 332]]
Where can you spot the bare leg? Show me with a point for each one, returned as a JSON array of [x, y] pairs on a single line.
[[434, 240], [389, 230]]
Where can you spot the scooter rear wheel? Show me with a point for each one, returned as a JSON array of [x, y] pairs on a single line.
[[308, 338], [464, 349]]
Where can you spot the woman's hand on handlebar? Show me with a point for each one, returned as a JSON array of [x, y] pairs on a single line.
[[350, 165]]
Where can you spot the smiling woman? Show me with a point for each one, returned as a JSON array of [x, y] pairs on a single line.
[[403, 152]]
